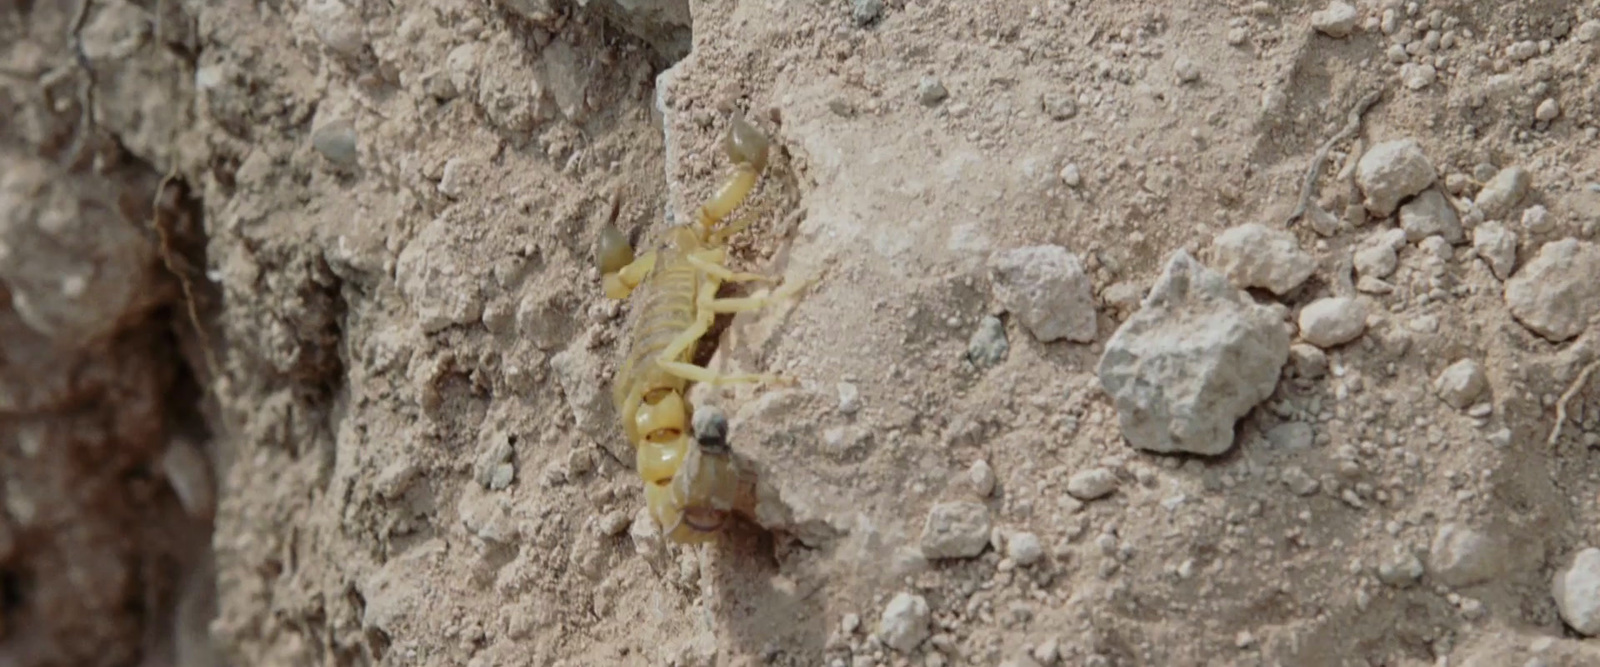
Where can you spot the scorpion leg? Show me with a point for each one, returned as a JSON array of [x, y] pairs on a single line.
[[722, 273], [707, 307]]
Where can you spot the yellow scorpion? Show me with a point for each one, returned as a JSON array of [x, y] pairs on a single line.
[[691, 484]]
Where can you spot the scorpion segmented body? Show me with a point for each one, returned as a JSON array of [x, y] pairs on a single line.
[[691, 485]]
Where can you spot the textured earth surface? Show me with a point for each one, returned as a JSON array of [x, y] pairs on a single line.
[[304, 358]]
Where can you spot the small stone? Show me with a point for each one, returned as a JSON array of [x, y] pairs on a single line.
[[1337, 20], [930, 92], [1577, 592], [1497, 246], [1047, 652], [1430, 214], [850, 396], [336, 141], [988, 346], [1024, 548], [1458, 184], [1308, 361], [1461, 383], [904, 623], [1252, 255], [1417, 77], [501, 476], [1376, 261], [1556, 293], [1333, 321], [957, 529], [866, 12], [1187, 70], [1292, 436], [1071, 176], [1504, 192], [1461, 556], [981, 476], [1403, 570], [1298, 482], [1092, 483], [1392, 171], [1588, 31], [1547, 111], [1537, 220], [1046, 288]]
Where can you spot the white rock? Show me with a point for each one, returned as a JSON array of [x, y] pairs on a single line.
[[1417, 76], [1071, 176], [1504, 192], [1024, 548], [1577, 592], [1254, 256], [1537, 220], [1376, 261], [1462, 556], [1308, 361], [1092, 483], [1588, 31], [1196, 357], [1402, 569], [1046, 288], [1392, 171], [981, 476], [1556, 293], [438, 281], [1338, 20], [904, 623], [1461, 383], [957, 529], [1497, 246], [1333, 321], [1187, 70], [1431, 214], [1547, 111]]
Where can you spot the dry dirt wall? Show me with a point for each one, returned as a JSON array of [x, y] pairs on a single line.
[[314, 281]]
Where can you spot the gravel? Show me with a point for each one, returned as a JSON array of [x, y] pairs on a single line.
[[904, 623], [1252, 255], [1461, 383], [1497, 246], [1556, 293], [958, 529], [1046, 288], [1337, 20], [1430, 214], [988, 346], [1092, 483], [1577, 592], [1504, 192]]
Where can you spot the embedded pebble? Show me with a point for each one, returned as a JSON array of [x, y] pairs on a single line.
[[1092, 483], [1497, 246], [1392, 171], [1292, 435], [930, 92], [1333, 321], [982, 478], [1588, 31], [1195, 358], [1537, 220], [958, 529], [1252, 255], [1308, 361], [988, 345], [1462, 556], [904, 623], [1298, 481], [1024, 548], [1377, 261], [1401, 570], [1046, 288], [1461, 383], [1504, 192], [850, 396], [1430, 214], [1417, 77], [1577, 592], [336, 141], [1071, 176], [337, 26], [1547, 111], [1556, 293], [1187, 70], [1337, 20]]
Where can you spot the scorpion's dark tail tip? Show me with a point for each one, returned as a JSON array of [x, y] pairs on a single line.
[[711, 430]]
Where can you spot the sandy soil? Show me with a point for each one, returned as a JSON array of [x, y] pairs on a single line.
[[304, 360]]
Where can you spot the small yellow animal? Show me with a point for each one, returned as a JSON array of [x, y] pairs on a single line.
[[691, 485]]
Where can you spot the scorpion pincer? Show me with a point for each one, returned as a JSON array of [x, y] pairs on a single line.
[[692, 482]]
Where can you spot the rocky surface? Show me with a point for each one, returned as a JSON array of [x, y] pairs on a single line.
[[303, 359]]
